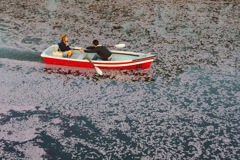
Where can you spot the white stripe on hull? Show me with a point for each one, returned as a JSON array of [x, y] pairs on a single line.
[[123, 65]]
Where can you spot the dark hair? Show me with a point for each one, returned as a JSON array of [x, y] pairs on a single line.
[[95, 42]]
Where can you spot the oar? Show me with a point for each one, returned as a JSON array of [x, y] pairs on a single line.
[[98, 70], [121, 45]]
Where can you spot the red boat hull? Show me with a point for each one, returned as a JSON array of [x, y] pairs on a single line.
[[121, 60], [136, 64]]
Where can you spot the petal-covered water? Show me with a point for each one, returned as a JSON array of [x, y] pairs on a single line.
[[186, 106]]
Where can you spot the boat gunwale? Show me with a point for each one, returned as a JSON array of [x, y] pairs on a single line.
[[45, 55]]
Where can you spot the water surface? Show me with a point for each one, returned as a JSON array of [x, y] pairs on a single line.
[[186, 106]]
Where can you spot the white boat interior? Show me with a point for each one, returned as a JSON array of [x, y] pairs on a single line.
[[116, 55]]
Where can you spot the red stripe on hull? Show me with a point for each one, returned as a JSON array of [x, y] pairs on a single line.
[[54, 61]]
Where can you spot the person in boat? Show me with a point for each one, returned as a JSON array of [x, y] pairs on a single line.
[[101, 51], [64, 46]]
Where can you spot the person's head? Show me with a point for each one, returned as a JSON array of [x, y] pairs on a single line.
[[64, 38], [95, 42]]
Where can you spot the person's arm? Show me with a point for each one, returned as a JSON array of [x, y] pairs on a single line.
[[62, 47], [90, 47], [59, 46], [68, 46], [93, 50]]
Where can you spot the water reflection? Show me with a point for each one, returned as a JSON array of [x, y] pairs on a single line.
[[125, 75]]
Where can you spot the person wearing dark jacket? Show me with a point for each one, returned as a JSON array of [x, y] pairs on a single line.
[[64, 46], [101, 51]]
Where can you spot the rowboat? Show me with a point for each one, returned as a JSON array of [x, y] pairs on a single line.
[[120, 60]]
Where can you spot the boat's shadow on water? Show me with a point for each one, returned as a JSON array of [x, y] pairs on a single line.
[[90, 74]]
